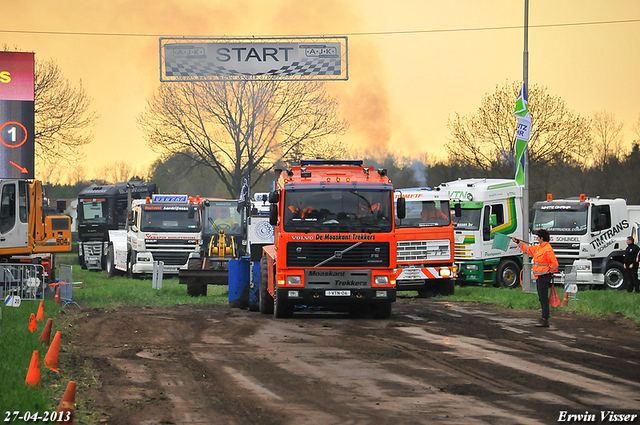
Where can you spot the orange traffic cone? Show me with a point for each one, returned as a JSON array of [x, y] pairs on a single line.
[[57, 298], [565, 300], [45, 337], [67, 406], [33, 375], [51, 359], [32, 323], [40, 315]]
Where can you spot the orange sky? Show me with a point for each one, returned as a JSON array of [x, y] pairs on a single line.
[[402, 88]]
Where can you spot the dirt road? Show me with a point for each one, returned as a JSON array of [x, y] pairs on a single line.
[[433, 362]]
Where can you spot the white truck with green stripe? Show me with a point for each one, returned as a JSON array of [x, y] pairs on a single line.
[[485, 207]]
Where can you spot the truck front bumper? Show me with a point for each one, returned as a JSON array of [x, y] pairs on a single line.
[[334, 297]]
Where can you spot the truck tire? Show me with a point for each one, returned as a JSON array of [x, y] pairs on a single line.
[[83, 264], [195, 288], [282, 309], [446, 286], [130, 273], [508, 274], [110, 263], [266, 300], [614, 276], [382, 310]]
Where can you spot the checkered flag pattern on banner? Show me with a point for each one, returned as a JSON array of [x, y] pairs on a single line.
[[196, 68]]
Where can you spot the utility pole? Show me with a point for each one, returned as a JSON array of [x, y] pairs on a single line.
[[526, 270]]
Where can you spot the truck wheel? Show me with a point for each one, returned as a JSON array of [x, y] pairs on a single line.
[[614, 276], [508, 274], [83, 264], [282, 309], [130, 273], [446, 286], [382, 310], [195, 288], [110, 263], [266, 300]]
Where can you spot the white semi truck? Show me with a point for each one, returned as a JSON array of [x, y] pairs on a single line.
[[163, 228], [486, 207], [589, 234]]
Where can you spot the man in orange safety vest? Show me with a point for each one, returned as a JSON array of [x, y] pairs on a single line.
[[545, 264]]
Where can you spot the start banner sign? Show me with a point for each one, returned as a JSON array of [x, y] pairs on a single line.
[[184, 59]]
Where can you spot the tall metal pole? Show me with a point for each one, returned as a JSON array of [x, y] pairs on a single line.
[[526, 273]]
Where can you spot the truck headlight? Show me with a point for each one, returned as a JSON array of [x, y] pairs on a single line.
[[582, 267], [471, 266], [293, 280], [381, 280], [445, 272]]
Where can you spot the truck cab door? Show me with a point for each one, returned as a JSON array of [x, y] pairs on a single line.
[[14, 214]]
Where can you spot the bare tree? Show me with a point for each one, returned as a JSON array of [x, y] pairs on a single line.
[[486, 139], [607, 139], [119, 171], [636, 129], [76, 175], [242, 127], [61, 116]]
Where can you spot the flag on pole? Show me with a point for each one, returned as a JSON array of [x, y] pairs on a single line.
[[523, 132], [244, 193]]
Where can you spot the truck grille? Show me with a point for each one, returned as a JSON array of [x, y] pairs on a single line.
[[171, 258], [462, 251], [438, 250], [309, 254]]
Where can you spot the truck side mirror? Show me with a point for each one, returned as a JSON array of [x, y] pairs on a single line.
[[273, 214], [191, 212], [457, 210], [274, 197], [130, 219], [493, 220], [401, 208]]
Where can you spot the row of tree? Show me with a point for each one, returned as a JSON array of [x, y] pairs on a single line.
[[209, 135]]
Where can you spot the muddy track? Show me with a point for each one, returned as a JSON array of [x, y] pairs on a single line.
[[433, 362]]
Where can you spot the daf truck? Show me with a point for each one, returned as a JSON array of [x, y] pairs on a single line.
[[486, 207], [162, 228], [588, 235]]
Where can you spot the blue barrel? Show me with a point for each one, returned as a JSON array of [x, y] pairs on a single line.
[[239, 283], [254, 287]]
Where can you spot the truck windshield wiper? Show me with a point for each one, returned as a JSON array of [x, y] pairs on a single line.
[[337, 254]]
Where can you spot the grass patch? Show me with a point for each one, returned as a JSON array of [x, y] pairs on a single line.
[[95, 290], [591, 302], [17, 345]]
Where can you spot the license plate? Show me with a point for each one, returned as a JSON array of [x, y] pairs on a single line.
[[337, 293]]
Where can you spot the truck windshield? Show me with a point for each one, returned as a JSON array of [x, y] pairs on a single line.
[[338, 210], [167, 219], [426, 214], [222, 215], [468, 220], [94, 211], [560, 221]]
